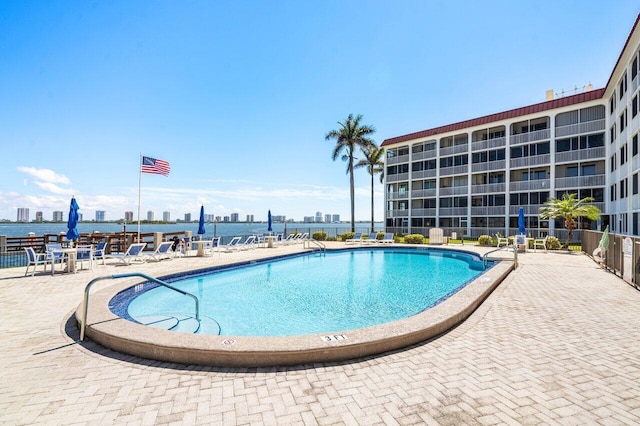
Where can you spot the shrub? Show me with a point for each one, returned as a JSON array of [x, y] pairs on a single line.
[[553, 243], [380, 236], [320, 236], [347, 235], [414, 239], [332, 238], [486, 240]]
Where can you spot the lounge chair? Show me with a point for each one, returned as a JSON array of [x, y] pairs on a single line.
[[133, 254], [100, 252], [231, 245], [388, 238], [371, 239], [163, 251], [357, 238], [34, 259], [211, 246], [249, 243], [540, 243]]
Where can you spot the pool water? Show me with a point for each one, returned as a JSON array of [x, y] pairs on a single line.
[[316, 293]]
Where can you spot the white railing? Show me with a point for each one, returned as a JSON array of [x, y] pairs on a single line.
[[397, 195], [423, 174], [490, 165], [580, 181], [488, 211], [581, 154], [455, 170], [398, 159], [535, 160], [454, 190], [454, 149], [422, 193], [488, 144], [432, 153], [577, 128], [488, 188], [527, 185], [423, 212], [453, 211], [529, 137], [397, 177]]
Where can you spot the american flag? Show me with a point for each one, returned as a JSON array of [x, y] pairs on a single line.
[[155, 166]]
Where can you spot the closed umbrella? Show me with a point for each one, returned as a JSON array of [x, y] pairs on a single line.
[[521, 229], [604, 240], [201, 230], [72, 233], [269, 228]]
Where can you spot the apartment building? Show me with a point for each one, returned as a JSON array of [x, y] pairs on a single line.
[[473, 176]]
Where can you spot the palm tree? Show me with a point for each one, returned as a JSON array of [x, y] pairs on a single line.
[[374, 165], [569, 208], [350, 136]]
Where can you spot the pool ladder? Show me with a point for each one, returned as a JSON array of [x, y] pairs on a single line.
[[85, 307], [515, 256], [317, 243]]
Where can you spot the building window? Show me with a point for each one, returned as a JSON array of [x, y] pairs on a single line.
[[634, 145], [623, 154], [634, 184], [612, 103], [589, 170], [634, 106]]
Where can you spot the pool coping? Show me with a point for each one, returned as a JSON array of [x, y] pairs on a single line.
[[121, 335]]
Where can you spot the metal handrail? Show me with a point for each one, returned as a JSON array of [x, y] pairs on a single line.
[[132, 274], [515, 256], [317, 243]]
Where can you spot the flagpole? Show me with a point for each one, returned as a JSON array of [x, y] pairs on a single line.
[[139, 186]]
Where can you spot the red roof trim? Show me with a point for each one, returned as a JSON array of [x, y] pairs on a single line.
[[530, 109]]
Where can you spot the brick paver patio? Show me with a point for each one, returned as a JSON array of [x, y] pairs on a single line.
[[557, 343]]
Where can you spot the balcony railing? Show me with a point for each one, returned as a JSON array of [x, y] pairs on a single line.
[[488, 188], [432, 153], [453, 211], [580, 181], [574, 129], [488, 211], [423, 174], [398, 159], [454, 190], [536, 160], [537, 135], [598, 153], [530, 209], [397, 213], [423, 213], [490, 165], [397, 195], [488, 144], [455, 170], [456, 149], [397, 177], [528, 185], [423, 193]]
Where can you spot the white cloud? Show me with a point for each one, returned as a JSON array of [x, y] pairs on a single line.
[[45, 175]]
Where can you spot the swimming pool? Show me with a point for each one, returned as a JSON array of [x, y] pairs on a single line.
[[123, 335], [312, 293]]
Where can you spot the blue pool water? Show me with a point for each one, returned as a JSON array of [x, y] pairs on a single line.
[[314, 293]]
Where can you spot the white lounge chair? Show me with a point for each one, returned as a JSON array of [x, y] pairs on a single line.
[[249, 243], [231, 245], [212, 246], [34, 259], [357, 238], [133, 254], [502, 241], [163, 251], [371, 239]]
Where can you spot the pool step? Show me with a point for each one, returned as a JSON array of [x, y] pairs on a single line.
[[178, 322]]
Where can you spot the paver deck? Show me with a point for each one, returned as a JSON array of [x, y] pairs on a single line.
[[556, 343]]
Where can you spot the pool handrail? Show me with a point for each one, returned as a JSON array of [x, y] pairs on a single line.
[[316, 242], [515, 256], [85, 308]]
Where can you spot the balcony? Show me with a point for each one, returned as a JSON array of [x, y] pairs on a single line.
[[397, 177], [537, 135], [529, 185], [423, 155], [423, 212], [488, 188], [598, 153], [488, 166], [455, 170], [580, 181], [423, 193], [398, 159], [575, 129], [536, 160], [488, 211], [456, 149], [423, 174], [453, 211], [531, 209], [454, 190], [397, 195], [397, 213], [488, 144]]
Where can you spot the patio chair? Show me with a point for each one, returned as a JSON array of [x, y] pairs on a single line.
[[249, 243], [502, 241], [212, 246], [231, 245], [163, 251], [34, 259], [388, 238], [357, 238], [84, 253], [55, 254], [540, 243], [133, 254], [100, 252], [371, 239]]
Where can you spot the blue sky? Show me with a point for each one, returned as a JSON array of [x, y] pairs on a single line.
[[238, 96]]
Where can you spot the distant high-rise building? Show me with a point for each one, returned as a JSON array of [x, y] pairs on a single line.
[[218, 218], [57, 216], [327, 218], [23, 214], [235, 217], [128, 217], [318, 217], [100, 216], [80, 217], [150, 215], [225, 219], [166, 216], [209, 218], [249, 218], [187, 217], [308, 219], [279, 218], [39, 217], [336, 218]]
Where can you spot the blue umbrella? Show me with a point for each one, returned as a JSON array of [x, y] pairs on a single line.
[[521, 229], [72, 233], [269, 222], [201, 230]]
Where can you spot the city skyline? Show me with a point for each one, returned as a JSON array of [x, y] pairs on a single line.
[[89, 88]]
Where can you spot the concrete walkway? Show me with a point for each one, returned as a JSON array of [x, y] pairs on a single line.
[[557, 343]]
